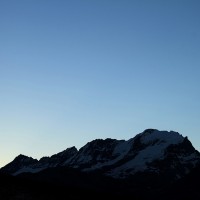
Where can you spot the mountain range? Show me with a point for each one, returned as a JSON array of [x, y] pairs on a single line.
[[151, 164]]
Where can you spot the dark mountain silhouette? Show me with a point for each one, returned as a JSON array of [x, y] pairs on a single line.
[[154, 164]]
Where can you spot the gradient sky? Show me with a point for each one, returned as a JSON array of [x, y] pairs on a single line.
[[74, 71]]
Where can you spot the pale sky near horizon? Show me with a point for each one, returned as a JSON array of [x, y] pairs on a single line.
[[74, 71]]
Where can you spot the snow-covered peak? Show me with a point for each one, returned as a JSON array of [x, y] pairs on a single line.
[[150, 136], [145, 148]]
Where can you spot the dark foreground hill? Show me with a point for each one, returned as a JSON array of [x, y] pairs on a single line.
[[94, 187]]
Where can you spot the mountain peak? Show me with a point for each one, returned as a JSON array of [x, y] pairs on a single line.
[[149, 131], [21, 156], [156, 136], [24, 158]]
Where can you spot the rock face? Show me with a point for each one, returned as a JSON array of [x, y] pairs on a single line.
[[150, 152]]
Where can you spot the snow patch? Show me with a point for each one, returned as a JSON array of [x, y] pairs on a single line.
[[162, 136], [28, 170], [157, 142]]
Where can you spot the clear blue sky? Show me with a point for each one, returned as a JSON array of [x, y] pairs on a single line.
[[74, 71]]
